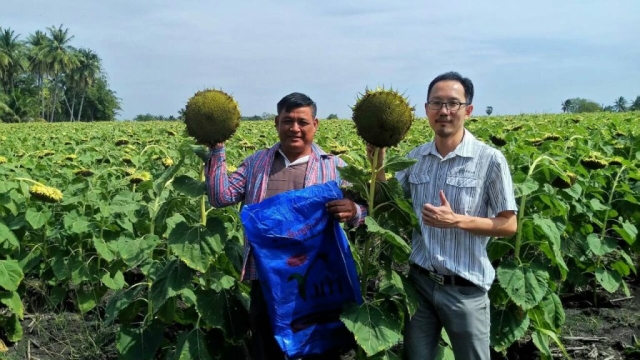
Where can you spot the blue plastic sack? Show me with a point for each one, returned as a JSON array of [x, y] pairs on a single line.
[[305, 267]]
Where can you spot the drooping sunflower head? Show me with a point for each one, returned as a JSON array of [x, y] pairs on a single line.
[[122, 142], [498, 140], [616, 161], [44, 153], [594, 161], [246, 144], [3, 160], [536, 141], [167, 162], [45, 193], [561, 183], [139, 177], [71, 157], [339, 150], [83, 172], [551, 137]]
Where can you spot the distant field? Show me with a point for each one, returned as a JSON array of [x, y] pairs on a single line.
[[112, 248]]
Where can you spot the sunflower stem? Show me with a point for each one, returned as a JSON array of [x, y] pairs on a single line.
[[30, 180], [603, 231], [367, 243], [523, 202], [203, 208]]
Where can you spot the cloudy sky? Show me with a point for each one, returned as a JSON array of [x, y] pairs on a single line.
[[524, 57]]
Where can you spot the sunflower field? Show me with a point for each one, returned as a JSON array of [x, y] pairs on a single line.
[[111, 219]]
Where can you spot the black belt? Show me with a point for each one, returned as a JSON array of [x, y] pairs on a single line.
[[443, 279]]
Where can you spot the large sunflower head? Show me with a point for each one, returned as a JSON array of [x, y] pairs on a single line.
[[382, 117]]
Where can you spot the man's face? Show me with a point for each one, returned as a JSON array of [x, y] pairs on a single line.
[[446, 122], [296, 130]]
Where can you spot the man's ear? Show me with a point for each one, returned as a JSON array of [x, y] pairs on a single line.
[[275, 119], [469, 109]]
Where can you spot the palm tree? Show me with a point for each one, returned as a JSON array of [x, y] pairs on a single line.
[[38, 65], [636, 104], [620, 104], [23, 106], [60, 58], [12, 60], [566, 106], [4, 62], [85, 74]]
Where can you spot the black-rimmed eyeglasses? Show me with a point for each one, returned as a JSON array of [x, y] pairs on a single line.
[[451, 105]]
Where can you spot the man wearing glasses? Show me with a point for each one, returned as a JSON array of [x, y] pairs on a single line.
[[462, 190]]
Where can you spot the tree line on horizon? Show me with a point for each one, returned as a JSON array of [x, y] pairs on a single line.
[[580, 105], [44, 78]]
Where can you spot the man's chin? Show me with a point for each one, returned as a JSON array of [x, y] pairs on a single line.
[[444, 133], [295, 147]]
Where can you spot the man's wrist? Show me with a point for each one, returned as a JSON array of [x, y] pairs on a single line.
[[356, 211], [461, 221]]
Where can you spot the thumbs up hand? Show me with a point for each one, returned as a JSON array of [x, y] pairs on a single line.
[[439, 216]]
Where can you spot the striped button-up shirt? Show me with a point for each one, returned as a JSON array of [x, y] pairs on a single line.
[[476, 182], [248, 185]]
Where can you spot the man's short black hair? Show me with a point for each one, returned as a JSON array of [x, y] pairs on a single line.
[[296, 100], [467, 85]]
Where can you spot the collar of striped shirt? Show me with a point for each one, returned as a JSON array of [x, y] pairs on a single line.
[[287, 163], [465, 149], [316, 153]]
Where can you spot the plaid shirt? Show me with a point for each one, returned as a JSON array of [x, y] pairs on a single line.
[[248, 185]]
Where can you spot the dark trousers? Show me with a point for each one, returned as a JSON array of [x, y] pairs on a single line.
[[263, 345]]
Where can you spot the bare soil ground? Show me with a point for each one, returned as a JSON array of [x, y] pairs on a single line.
[[65, 335], [608, 331]]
